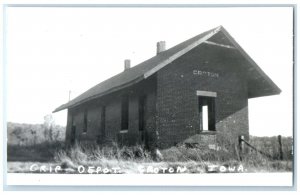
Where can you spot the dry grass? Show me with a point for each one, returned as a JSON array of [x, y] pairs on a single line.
[[196, 160], [127, 158], [131, 159]]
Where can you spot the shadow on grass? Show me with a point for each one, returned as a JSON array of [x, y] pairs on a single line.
[[43, 152]]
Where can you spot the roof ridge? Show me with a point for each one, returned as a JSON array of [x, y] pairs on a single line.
[[80, 98], [150, 66]]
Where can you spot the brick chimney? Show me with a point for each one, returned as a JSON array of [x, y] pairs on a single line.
[[126, 64], [161, 46]]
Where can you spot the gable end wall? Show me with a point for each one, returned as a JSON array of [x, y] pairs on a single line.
[[177, 102]]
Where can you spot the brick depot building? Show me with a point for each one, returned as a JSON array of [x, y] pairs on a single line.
[[199, 87]]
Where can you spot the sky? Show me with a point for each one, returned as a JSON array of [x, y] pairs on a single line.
[[51, 51]]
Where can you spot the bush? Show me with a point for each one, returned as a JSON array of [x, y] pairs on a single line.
[[32, 134]]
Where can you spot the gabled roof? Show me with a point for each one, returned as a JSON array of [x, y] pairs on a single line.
[[152, 65]]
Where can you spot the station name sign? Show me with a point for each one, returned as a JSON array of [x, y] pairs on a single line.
[[206, 73]]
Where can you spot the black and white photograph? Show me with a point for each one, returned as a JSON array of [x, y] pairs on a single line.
[[149, 95]]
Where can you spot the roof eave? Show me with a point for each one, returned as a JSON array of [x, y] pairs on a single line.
[[275, 92], [256, 67], [175, 56], [66, 106]]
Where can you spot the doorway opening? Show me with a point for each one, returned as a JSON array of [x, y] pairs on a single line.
[[207, 114]]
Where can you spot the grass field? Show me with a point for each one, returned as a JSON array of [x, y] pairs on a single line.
[[40, 149], [44, 158]]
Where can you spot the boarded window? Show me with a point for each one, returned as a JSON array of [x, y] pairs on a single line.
[[207, 113], [142, 108], [102, 124], [124, 112], [73, 134], [85, 121]]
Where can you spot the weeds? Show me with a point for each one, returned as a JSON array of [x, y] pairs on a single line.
[[195, 159], [93, 154]]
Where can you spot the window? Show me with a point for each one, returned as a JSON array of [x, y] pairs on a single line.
[[102, 124], [207, 113], [73, 134], [73, 130], [85, 121], [124, 112], [142, 102]]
